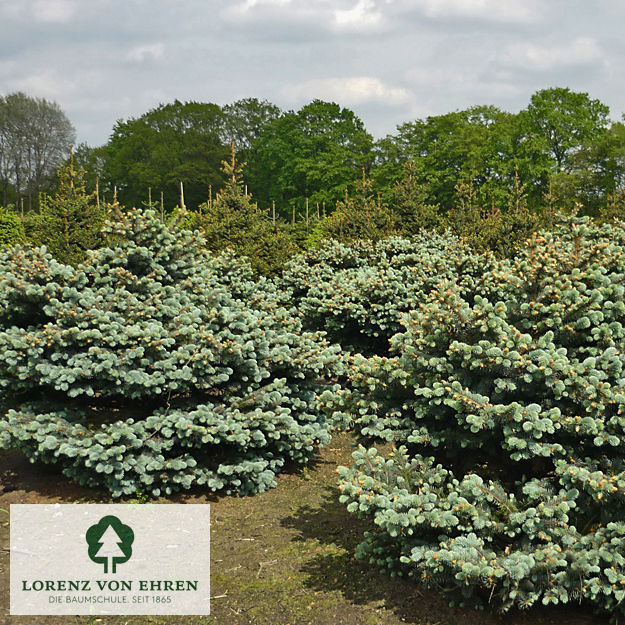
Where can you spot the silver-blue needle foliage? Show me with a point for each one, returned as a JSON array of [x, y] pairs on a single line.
[[156, 367], [507, 484]]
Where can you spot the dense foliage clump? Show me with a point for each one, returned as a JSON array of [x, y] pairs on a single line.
[[69, 223], [234, 222], [501, 230], [508, 484], [358, 293], [153, 367], [361, 217], [11, 230]]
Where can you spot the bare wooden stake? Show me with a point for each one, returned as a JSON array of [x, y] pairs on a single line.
[[273, 213], [71, 166], [293, 218], [234, 178], [340, 220], [307, 216], [182, 205], [97, 192], [150, 197]]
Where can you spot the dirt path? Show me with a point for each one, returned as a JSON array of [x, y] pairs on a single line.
[[280, 558]]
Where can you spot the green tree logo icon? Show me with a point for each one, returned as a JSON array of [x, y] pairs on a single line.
[[110, 543]]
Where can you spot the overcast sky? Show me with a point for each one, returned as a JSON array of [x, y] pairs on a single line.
[[388, 60]]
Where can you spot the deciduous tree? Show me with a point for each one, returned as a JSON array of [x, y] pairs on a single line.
[[172, 143], [562, 121], [35, 138], [315, 153]]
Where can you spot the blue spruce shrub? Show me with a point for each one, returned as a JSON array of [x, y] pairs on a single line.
[[506, 410], [156, 366], [358, 293]]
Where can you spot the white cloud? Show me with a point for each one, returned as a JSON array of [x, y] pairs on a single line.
[[471, 83], [45, 83], [142, 53], [53, 11], [57, 84], [435, 56], [343, 16], [362, 16], [250, 4], [489, 10], [247, 7], [533, 56], [348, 91]]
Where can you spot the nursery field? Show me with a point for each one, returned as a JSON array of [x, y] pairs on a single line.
[[283, 557], [479, 402]]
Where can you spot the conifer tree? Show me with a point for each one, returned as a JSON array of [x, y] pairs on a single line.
[[506, 405], [358, 293], [496, 229], [614, 207], [233, 221], [145, 367], [69, 223], [411, 205], [362, 216], [517, 222], [465, 217], [11, 229]]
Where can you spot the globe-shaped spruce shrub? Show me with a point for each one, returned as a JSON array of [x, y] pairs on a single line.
[[358, 293], [155, 367], [508, 481]]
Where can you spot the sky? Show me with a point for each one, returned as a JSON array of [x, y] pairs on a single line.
[[390, 61]]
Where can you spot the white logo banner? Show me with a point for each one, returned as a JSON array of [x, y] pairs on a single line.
[[110, 559]]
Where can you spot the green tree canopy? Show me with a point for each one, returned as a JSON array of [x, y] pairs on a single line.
[[563, 121], [475, 143], [486, 146], [172, 143], [246, 119], [315, 153], [597, 169]]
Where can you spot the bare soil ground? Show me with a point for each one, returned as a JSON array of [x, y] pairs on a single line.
[[284, 557]]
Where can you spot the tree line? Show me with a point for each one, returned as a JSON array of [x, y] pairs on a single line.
[[489, 175], [562, 142]]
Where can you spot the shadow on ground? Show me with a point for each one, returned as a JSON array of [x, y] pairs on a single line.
[[336, 570]]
